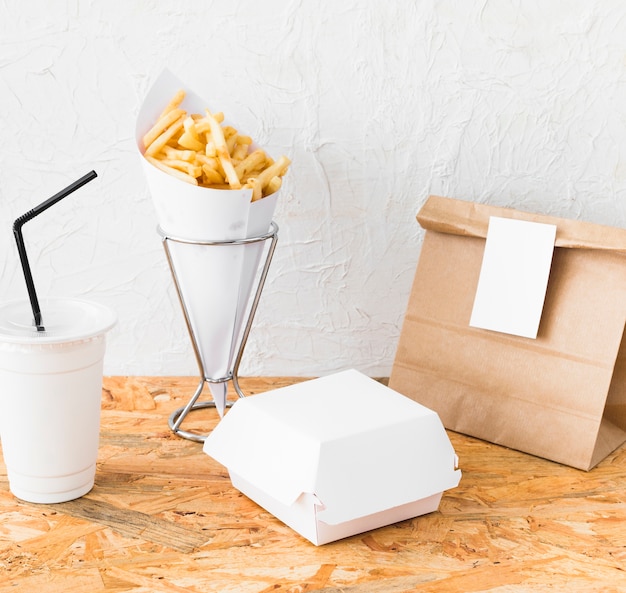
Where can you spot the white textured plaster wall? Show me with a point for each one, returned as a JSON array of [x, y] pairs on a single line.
[[517, 103]]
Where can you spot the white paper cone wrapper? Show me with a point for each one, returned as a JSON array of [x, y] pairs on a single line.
[[218, 391], [215, 281]]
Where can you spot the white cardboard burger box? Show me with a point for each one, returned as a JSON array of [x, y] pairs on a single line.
[[336, 456]]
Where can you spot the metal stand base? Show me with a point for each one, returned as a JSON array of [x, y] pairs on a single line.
[[178, 416]]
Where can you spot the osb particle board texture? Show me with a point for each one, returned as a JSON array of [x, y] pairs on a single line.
[[163, 517]]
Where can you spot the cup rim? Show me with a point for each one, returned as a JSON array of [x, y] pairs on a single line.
[[105, 320]]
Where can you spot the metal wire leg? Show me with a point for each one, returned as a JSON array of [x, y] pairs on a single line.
[[177, 416]]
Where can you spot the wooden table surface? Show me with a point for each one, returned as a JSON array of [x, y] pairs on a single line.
[[163, 516]]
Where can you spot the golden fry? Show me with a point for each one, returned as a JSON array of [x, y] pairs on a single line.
[[222, 151], [255, 160], [182, 155], [241, 148], [190, 138], [177, 99], [276, 169], [202, 123], [273, 186], [257, 189], [188, 141], [192, 170], [162, 124], [203, 159], [229, 170], [163, 139], [174, 172], [190, 126], [211, 175], [210, 149]]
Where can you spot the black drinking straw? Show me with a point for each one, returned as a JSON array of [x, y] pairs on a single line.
[[17, 232]]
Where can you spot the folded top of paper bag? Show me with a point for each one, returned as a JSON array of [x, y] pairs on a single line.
[[459, 217]]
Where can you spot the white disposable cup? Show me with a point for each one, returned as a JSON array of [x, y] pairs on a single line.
[[50, 397]]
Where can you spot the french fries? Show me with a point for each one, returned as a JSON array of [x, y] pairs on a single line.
[[200, 150]]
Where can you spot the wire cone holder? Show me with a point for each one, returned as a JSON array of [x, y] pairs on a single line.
[[218, 355]]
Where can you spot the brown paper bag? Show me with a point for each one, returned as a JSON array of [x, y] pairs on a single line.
[[561, 396]]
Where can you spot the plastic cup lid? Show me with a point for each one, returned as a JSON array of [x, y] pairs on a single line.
[[65, 320]]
